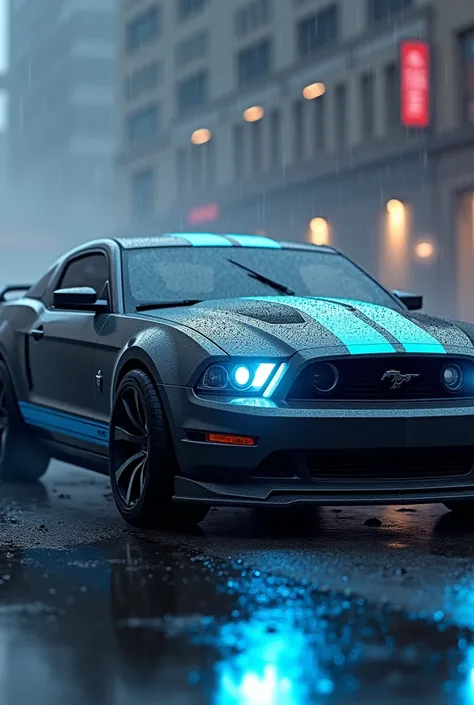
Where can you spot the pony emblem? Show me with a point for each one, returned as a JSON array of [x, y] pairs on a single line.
[[397, 378]]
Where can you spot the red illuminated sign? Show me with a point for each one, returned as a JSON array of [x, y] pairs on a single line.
[[415, 83], [203, 214]]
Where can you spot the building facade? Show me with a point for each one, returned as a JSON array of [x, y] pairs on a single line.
[[284, 117], [62, 135]]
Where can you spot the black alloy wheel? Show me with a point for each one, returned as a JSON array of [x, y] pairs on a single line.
[[131, 446], [142, 458]]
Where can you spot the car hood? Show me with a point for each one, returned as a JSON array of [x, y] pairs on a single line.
[[282, 325]]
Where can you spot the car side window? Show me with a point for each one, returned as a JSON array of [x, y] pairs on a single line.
[[89, 270]]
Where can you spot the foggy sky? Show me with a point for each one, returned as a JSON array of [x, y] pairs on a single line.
[[3, 52]]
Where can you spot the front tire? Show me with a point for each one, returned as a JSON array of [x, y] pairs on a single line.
[[142, 459], [21, 458]]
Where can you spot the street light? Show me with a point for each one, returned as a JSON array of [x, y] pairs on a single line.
[[424, 250], [396, 213], [201, 136], [319, 231], [314, 90], [254, 113]]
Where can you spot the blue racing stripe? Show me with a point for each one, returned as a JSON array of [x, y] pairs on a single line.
[[204, 239], [358, 336], [255, 241], [412, 337], [56, 429], [61, 422]]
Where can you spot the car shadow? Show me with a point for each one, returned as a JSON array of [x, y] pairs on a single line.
[[34, 494], [453, 535]]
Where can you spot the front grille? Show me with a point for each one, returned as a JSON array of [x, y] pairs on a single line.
[[390, 464], [361, 379]]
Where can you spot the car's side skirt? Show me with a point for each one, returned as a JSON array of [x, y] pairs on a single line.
[[65, 424]]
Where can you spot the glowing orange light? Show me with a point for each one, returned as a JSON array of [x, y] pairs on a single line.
[[314, 90], [253, 114], [424, 250], [228, 439], [201, 136], [319, 231], [394, 206]]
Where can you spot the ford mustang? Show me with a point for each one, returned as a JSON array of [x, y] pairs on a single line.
[[203, 369]]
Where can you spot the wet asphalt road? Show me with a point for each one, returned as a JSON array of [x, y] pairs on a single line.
[[249, 609]]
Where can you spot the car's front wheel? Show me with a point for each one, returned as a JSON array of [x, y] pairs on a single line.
[[142, 459], [21, 457], [464, 510]]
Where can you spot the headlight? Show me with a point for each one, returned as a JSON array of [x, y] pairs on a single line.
[[452, 378], [249, 377]]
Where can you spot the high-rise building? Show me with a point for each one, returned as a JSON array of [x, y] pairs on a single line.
[[61, 115], [349, 122]]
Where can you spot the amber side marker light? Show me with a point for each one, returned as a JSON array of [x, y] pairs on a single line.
[[229, 440]]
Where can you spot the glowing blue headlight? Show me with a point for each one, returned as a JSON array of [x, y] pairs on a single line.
[[241, 376], [249, 377]]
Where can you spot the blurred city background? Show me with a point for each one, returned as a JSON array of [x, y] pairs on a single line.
[[345, 122]]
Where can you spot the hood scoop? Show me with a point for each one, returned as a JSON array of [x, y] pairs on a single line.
[[273, 313]]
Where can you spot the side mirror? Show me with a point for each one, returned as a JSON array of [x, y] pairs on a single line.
[[82, 298], [413, 302]]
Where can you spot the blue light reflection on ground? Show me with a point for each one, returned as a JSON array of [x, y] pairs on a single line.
[[272, 667]]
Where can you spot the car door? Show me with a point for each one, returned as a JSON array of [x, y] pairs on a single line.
[[61, 344]]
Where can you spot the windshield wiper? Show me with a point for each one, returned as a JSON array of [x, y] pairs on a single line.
[[167, 304], [262, 278]]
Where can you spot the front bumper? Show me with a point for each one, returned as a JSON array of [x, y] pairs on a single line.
[[222, 474]]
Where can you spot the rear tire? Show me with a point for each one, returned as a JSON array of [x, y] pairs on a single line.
[[142, 459], [463, 510], [21, 458]]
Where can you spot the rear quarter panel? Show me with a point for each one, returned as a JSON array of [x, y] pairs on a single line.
[[16, 319]]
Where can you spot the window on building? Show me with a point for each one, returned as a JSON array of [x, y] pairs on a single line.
[[275, 137], [318, 30], [143, 29], [193, 92], [191, 49], [467, 58], [251, 16], [186, 8], [299, 129], [182, 170], [143, 125], [143, 193], [143, 80], [392, 96], [367, 105], [380, 10], [341, 115], [320, 122], [257, 147], [254, 62], [239, 151]]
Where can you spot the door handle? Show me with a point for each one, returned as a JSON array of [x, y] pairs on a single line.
[[37, 333]]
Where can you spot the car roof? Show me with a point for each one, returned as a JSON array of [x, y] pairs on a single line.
[[216, 240]]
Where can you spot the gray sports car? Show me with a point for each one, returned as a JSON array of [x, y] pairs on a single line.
[[202, 369]]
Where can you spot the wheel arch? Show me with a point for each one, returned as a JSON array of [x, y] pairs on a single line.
[[4, 360], [134, 358]]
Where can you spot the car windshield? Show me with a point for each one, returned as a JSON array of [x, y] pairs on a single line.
[[172, 274]]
